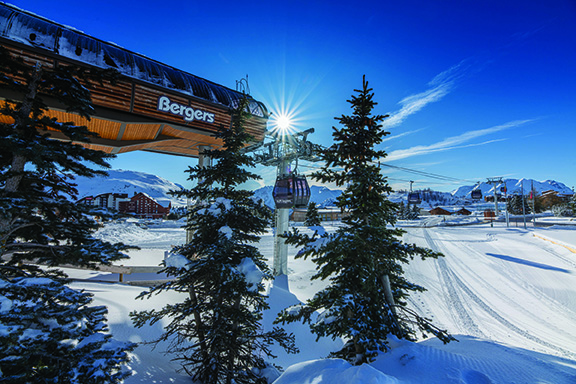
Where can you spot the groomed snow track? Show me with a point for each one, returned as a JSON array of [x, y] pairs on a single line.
[[506, 286]]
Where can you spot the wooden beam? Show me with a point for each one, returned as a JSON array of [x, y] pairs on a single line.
[[159, 131], [121, 132]]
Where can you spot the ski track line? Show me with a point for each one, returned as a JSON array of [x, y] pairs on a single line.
[[453, 297], [512, 278], [450, 275], [518, 280]]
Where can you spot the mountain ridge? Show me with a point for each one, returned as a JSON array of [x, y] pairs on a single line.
[[131, 182]]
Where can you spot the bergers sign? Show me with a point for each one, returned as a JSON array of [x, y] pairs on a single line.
[[188, 113]]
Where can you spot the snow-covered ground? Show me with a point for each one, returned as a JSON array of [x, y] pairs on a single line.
[[508, 294]]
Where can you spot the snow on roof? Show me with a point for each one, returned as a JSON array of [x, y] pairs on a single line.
[[27, 28]]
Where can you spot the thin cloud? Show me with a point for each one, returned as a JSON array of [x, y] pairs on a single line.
[[454, 142], [394, 137], [440, 86]]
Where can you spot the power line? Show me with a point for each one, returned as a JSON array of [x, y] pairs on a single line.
[[315, 147], [451, 180], [427, 174]]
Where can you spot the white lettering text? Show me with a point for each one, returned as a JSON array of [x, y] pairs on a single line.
[[188, 113]]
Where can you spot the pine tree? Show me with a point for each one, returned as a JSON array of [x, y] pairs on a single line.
[[49, 332], [573, 202], [415, 213], [401, 211], [537, 204], [514, 205], [312, 216], [216, 331], [365, 301]]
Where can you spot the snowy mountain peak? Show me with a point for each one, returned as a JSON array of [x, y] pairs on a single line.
[[514, 186]]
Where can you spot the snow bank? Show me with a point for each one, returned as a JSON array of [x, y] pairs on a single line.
[[176, 260], [470, 361], [332, 371], [252, 274]]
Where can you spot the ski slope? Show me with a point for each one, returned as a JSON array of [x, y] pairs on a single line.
[[502, 284], [508, 294]]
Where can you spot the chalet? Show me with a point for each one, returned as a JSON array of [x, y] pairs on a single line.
[[439, 211], [106, 200], [325, 214], [550, 198], [143, 206], [463, 211]]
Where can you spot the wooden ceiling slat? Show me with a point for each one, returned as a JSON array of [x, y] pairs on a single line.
[[105, 128], [140, 131]]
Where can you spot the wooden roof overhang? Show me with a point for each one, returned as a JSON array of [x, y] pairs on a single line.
[[151, 107]]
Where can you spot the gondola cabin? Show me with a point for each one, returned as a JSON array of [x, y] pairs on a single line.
[[476, 194], [291, 192], [414, 198]]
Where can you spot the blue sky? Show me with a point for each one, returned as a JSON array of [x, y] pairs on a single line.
[[474, 89]]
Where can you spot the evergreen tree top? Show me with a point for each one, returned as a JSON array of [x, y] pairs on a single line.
[[354, 152], [230, 163]]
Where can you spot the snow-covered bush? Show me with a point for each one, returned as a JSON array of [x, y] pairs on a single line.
[[50, 334], [562, 210]]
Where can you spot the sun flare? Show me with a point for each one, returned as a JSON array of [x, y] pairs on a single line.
[[283, 123]]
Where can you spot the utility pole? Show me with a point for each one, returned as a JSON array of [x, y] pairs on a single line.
[[495, 181], [523, 210], [533, 203]]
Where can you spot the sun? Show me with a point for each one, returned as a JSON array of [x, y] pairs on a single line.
[[283, 123]]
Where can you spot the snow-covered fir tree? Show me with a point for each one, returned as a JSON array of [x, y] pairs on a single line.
[[573, 203], [415, 212], [312, 215], [216, 332], [365, 301], [49, 332], [562, 210], [401, 211], [514, 205], [408, 212]]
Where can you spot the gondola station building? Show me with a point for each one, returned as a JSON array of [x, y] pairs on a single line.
[[151, 106]]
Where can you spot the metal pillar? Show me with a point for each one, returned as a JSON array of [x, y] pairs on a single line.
[[495, 202], [280, 152], [280, 266], [495, 182], [203, 162], [506, 204], [533, 194], [523, 210]]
